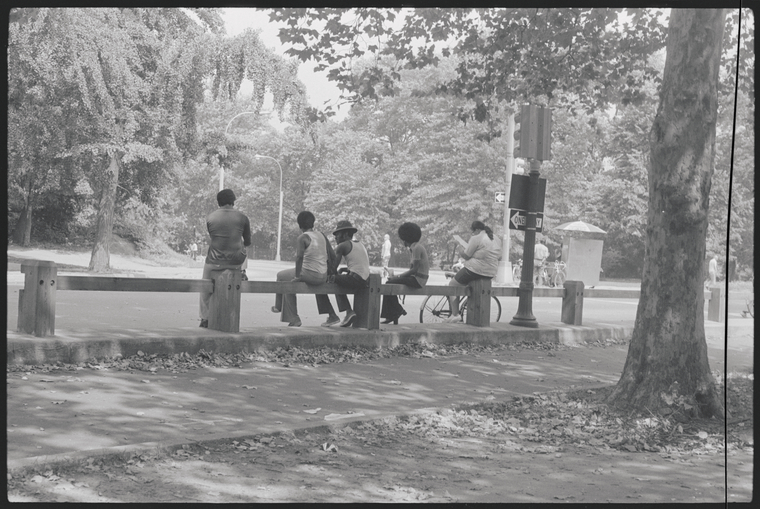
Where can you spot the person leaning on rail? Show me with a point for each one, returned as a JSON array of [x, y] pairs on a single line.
[[230, 232], [481, 261]]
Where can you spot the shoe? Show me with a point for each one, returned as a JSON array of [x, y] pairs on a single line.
[[204, 324], [275, 310], [453, 319], [348, 320], [296, 323], [394, 319], [331, 321]]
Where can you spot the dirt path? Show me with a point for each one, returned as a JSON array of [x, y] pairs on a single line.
[[381, 462]]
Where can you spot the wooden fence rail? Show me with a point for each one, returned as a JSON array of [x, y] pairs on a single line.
[[36, 307]]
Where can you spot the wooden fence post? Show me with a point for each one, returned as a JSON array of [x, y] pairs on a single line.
[[479, 303], [367, 304], [572, 303], [224, 307], [36, 306], [715, 311]]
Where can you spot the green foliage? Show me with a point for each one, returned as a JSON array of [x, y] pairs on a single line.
[[511, 54]]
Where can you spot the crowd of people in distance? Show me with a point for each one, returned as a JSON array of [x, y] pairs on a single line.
[[317, 262]]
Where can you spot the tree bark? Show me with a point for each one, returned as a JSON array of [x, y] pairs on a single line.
[[668, 351], [100, 258], [22, 233]]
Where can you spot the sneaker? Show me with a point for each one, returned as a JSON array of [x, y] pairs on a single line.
[[348, 320], [204, 324], [332, 320], [275, 310], [296, 323], [453, 319]]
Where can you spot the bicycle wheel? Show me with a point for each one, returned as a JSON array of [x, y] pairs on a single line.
[[435, 309], [559, 279], [516, 270], [495, 309]]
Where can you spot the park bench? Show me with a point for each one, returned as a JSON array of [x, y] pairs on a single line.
[[36, 306]]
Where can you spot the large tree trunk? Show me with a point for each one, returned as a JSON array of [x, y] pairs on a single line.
[[100, 258], [22, 232], [668, 351]]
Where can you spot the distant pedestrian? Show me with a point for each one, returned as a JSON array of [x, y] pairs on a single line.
[[193, 250], [416, 277], [481, 261], [230, 232], [712, 270], [386, 254], [312, 253], [540, 254]]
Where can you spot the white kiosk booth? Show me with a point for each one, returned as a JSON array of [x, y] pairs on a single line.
[[582, 245]]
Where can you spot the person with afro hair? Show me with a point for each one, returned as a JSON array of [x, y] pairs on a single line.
[[416, 277]]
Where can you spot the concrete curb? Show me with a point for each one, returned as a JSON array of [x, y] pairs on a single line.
[[74, 347]]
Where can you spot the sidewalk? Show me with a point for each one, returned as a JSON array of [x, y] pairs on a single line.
[[67, 414]]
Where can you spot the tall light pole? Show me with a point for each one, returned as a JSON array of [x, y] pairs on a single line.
[[504, 274], [279, 226], [221, 169]]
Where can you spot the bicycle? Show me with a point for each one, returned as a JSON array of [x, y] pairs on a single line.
[[540, 275], [517, 271], [436, 308], [559, 277]]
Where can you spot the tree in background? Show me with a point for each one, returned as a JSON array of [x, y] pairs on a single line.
[[668, 351], [116, 94], [126, 80]]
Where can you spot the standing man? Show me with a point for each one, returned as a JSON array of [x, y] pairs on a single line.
[[230, 232], [540, 254], [386, 254], [193, 250], [712, 270]]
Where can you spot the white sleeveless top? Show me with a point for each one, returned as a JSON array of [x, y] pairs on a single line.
[[315, 255], [358, 260]]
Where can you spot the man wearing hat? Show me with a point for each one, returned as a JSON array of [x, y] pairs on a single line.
[[356, 273], [230, 232]]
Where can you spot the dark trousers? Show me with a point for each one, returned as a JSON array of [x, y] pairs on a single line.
[[352, 281], [391, 307]]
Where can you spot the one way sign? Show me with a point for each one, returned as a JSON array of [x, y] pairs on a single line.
[[518, 220]]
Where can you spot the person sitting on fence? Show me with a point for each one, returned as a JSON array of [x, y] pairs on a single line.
[[481, 261], [312, 253], [356, 273], [230, 232], [416, 277]]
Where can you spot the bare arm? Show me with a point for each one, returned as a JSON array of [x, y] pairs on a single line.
[[302, 243], [342, 250]]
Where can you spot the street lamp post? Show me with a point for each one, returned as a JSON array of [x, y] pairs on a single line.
[[221, 169], [279, 226]]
